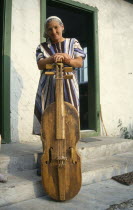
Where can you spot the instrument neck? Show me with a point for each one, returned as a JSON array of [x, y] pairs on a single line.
[[60, 112]]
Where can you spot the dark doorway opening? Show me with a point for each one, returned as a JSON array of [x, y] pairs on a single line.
[[79, 24]]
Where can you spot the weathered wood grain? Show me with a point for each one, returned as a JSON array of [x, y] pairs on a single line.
[[60, 162]]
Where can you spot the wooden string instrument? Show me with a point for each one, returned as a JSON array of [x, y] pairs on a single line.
[[60, 162]]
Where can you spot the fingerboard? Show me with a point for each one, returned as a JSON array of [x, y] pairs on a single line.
[[60, 112]]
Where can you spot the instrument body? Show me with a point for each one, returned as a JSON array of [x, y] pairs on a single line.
[[60, 132]]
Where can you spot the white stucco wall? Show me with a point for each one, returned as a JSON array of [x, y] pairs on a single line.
[[115, 23], [24, 72], [115, 64]]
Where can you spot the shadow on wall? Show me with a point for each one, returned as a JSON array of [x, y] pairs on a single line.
[[15, 92], [125, 132]]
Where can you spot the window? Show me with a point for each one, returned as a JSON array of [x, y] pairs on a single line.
[[82, 73]]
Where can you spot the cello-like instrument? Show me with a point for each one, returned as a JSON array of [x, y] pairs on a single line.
[[60, 132]]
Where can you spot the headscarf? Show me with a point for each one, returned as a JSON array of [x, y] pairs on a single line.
[[53, 17]]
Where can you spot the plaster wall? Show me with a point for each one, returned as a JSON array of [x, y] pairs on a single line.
[[25, 37], [115, 32]]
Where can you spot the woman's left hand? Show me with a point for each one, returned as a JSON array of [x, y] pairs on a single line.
[[66, 57]]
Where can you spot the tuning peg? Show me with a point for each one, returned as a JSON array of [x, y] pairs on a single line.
[[50, 66], [68, 76], [50, 73], [68, 69]]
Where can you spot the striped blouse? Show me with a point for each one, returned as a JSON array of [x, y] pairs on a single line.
[[46, 88]]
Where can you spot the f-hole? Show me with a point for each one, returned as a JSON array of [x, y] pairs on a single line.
[[79, 24]]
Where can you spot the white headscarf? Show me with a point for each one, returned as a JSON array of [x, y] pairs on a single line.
[[53, 17]]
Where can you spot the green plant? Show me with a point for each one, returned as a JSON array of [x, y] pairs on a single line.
[[125, 132]]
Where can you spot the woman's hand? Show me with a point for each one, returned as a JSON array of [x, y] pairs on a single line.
[[67, 58], [58, 57], [62, 57]]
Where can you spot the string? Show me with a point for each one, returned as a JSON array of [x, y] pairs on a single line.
[[61, 142]]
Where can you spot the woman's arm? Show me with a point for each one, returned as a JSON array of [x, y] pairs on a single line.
[[75, 62], [60, 57], [43, 61]]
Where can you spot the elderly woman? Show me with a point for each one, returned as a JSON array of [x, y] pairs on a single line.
[[56, 49]]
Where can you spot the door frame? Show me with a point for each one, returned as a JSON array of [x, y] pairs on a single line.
[[6, 63], [95, 118]]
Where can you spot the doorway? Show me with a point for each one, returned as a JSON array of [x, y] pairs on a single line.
[[80, 25]]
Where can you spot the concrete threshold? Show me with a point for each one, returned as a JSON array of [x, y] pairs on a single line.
[[24, 156], [25, 148]]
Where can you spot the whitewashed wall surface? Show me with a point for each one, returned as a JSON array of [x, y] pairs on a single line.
[[24, 72], [115, 31]]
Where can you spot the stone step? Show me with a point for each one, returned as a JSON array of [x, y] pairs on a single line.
[[24, 185], [21, 186], [10, 164], [98, 147], [99, 196], [18, 157], [105, 168]]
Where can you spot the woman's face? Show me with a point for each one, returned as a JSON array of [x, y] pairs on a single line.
[[54, 31]]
